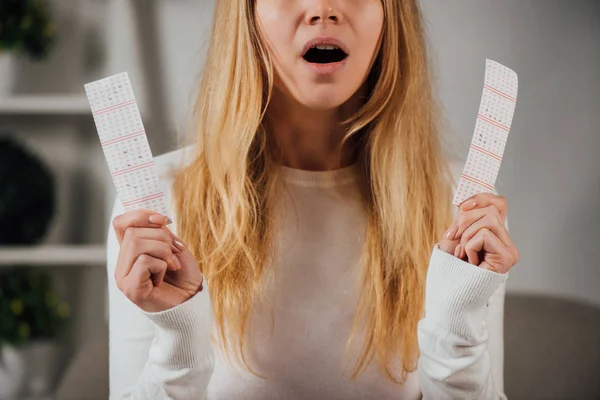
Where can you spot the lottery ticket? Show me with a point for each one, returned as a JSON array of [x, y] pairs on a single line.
[[124, 143], [492, 126]]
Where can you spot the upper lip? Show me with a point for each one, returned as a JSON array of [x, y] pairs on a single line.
[[324, 40]]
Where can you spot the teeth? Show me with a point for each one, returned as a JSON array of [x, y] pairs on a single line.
[[325, 47]]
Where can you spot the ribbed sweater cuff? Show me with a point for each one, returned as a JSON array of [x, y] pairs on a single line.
[[457, 294], [182, 338]]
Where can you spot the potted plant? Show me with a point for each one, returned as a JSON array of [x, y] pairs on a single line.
[[25, 28], [32, 316], [32, 319], [27, 194]]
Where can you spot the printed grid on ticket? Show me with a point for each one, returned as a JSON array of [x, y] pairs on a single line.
[[492, 126], [124, 143]]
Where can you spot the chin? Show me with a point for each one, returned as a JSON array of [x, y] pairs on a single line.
[[324, 99]]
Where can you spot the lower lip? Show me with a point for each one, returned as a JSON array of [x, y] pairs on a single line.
[[325, 69]]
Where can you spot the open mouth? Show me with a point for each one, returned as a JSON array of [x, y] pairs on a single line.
[[324, 54]]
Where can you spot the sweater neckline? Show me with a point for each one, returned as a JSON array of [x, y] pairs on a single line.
[[333, 177]]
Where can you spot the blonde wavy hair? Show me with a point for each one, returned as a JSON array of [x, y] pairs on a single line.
[[224, 197]]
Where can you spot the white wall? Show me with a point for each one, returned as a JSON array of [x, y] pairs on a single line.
[[182, 28], [551, 168]]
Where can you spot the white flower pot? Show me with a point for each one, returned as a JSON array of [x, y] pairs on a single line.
[[7, 73], [28, 370], [13, 372]]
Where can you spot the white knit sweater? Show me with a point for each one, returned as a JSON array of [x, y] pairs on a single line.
[[169, 355]]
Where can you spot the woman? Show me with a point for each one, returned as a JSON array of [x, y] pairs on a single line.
[[310, 260]]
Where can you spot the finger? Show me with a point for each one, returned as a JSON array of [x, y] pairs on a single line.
[[490, 221], [472, 256], [483, 241], [145, 268], [140, 218], [133, 247], [467, 218], [163, 234], [452, 236], [177, 241], [158, 278], [447, 243], [486, 199], [457, 251]]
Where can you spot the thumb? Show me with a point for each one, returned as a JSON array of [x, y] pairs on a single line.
[[446, 243], [449, 245]]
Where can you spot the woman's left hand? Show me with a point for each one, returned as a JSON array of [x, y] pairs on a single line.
[[479, 233]]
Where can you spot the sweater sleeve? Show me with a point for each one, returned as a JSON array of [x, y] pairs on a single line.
[[463, 313], [161, 355], [461, 336]]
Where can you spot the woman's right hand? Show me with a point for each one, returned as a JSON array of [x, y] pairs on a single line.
[[155, 270]]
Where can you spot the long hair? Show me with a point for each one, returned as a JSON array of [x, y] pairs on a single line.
[[224, 198]]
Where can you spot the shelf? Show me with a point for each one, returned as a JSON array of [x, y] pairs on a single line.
[[40, 398], [54, 255], [62, 105]]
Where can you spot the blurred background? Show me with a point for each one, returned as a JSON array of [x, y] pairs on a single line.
[[56, 192]]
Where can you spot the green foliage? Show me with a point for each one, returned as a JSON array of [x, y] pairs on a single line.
[[30, 308], [26, 26], [27, 194]]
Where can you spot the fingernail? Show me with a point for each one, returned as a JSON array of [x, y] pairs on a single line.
[[169, 221], [470, 205], [456, 235], [176, 261], [156, 219], [451, 232], [178, 244], [457, 251]]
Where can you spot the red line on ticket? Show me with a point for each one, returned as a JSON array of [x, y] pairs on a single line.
[[134, 168], [498, 92], [120, 139], [486, 119], [484, 151], [477, 181], [115, 107], [139, 200]]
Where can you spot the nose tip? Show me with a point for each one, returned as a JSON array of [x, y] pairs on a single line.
[[323, 15]]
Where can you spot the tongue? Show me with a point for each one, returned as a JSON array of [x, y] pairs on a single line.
[[317, 56]]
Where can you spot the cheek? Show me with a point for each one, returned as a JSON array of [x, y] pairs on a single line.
[[274, 26], [370, 26]]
